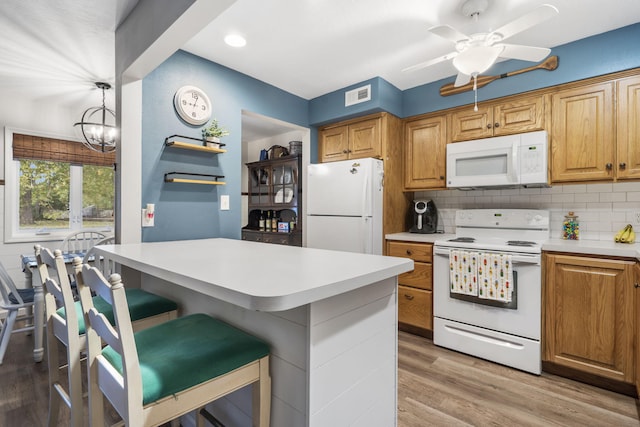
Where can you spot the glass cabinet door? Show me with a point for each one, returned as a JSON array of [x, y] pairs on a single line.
[[284, 180], [259, 186]]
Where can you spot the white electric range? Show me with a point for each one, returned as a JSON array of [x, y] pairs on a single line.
[[504, 329]]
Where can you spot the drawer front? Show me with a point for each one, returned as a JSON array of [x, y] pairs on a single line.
[[414, 307], [415, 251], [420, 277]]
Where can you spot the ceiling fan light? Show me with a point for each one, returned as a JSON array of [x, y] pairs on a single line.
[[477, 59]]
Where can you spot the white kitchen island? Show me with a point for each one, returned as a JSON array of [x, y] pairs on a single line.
[[330, 318]]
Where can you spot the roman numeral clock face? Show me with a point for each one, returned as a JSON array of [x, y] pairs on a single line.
[[192, 105]]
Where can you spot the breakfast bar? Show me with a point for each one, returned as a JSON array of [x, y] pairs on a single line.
[[330, 318]]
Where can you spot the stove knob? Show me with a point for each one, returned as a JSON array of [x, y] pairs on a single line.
[[538, 218], [529, 217]]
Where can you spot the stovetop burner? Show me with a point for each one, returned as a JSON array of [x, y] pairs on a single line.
[[463, 239], [521, 243]]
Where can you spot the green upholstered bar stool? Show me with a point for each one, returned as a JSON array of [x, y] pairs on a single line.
[[156, 375], [66, 326]]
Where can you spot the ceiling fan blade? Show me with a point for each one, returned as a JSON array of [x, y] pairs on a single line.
[[431, 62], [462, 79], [526, 21], [449, 33], [524, 53]]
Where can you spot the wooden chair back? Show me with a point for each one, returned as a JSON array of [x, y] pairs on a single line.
[[12, 300], [106, 265], [64, 329], [81, 241]]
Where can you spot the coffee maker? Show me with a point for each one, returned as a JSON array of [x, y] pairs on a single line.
[[423, 217]]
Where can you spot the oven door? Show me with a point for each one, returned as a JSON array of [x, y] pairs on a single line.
[[522, 319]]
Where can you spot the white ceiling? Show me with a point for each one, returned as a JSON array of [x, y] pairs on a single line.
[[55, 50], [313, 47]]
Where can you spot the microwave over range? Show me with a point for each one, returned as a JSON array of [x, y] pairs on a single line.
[[504, 161]]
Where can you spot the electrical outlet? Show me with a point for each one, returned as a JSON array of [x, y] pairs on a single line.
[[224, 202], [636, 217]]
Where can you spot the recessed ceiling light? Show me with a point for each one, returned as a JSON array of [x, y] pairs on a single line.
[[235, 40]]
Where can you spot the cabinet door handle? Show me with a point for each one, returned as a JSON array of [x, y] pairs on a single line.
[[489, 126], [409, 297], [345, 151], [609, 166], [441, 177], [409, 252], [636, 285], [623, 165], [496, 125]]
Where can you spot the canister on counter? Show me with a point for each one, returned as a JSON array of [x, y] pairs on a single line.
[[570, 227]]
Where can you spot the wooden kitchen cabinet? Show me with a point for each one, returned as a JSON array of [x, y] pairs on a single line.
[[590, 318], [376, 135], [628, 125], [582, 140], [496, 119], [415, 294], [351, 141], [425, 153], [636, 286]]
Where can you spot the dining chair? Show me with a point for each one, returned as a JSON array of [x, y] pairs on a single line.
[[159, 374], [106, 265], [81, 241], [18, 303], [66, 325]]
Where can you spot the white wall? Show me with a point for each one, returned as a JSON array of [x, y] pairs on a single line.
[[602, 208]]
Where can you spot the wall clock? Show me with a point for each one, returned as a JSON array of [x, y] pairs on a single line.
[[192, 105]]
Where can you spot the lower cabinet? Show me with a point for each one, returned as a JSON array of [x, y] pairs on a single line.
[[291, 239], [590, 317], [415, 297]]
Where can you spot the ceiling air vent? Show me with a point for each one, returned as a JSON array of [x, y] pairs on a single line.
[[357, 96]]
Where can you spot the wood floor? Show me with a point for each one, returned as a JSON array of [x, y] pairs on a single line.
[[440, 387], [436, 387]]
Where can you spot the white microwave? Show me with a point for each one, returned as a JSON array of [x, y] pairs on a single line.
[[504, 161]]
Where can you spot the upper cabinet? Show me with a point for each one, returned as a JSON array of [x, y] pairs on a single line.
[[425, 152], [628, 125], [351, 141], [498, 118], [582, 133]]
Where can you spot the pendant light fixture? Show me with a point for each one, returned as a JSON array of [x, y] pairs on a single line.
[[98, 125]]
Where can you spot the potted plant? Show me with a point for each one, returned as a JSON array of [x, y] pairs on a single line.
[[212, 134]]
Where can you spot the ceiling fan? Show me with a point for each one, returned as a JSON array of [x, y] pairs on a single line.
[[474, 54]]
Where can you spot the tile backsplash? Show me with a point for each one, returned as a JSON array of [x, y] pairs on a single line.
[[602, 209]]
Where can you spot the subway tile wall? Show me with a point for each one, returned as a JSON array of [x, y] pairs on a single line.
[[602, 208]]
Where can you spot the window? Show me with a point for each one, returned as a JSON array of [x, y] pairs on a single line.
[[53, 187]]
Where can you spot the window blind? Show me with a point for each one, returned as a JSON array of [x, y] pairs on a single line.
[[59, 150]]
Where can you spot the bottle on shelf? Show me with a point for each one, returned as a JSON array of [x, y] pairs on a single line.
[[268, 221], [292, 223], [274, 222], [261, 221]]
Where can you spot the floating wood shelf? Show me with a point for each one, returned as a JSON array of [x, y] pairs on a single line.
[[175, 141], [187, 177]]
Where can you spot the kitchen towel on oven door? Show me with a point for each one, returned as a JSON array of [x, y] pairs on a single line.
[[463, 272], [495, 276]]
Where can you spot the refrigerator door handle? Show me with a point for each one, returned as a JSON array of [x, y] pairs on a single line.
[[365, 190], [365, 241]]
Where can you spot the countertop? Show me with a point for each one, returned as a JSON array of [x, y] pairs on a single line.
[[253, 275], [589, 247]]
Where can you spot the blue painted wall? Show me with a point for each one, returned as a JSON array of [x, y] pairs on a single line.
[[191, 211], [330, 108], [185, 211], [593, 56]]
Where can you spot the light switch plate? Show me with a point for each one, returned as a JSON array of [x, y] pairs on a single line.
[[224, 202]]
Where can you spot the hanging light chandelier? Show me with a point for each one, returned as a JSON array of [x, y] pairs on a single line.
[[98, 125]]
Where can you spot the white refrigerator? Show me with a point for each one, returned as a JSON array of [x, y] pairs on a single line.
[[344, 205]]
